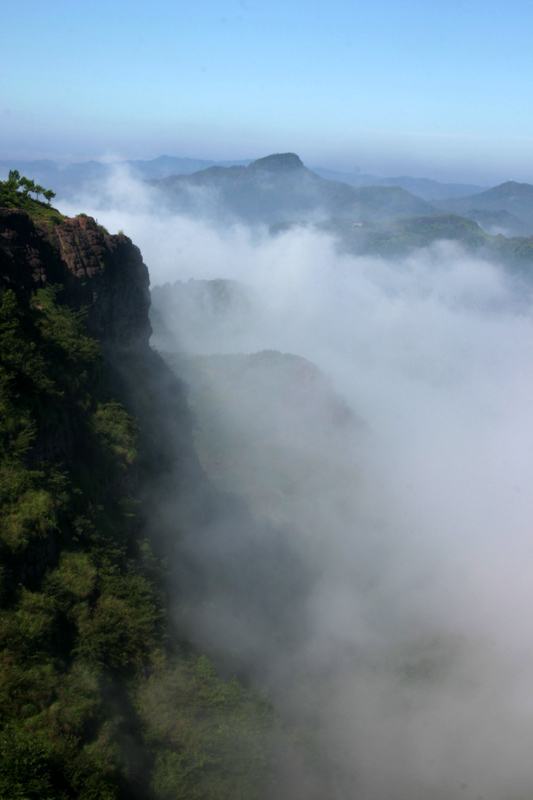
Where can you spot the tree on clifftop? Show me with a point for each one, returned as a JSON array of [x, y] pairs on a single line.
[[16, 182]]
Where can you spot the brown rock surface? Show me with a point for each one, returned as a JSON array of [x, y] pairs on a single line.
[[105, 274]]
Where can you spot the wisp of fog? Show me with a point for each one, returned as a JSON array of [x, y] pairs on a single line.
[[415, 671]]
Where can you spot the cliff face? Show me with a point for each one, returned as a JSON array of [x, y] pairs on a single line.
[[91, 500], [105, 274]]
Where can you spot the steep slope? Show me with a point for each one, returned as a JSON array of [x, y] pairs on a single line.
[[103, 273], [280, 188], [101, 696]]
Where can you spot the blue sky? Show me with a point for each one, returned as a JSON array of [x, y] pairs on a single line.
[[440, 88]]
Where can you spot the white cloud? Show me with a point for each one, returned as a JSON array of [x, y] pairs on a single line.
[[432, 531]]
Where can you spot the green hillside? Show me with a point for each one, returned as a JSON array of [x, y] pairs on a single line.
[[402, 236], [11, 197], [95, 702]]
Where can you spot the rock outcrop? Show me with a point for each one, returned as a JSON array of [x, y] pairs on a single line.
[[102, 273]]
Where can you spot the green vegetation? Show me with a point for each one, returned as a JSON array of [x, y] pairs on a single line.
[[402, 236], [16, 191], [215, 737], [28, 186], [95, 701]]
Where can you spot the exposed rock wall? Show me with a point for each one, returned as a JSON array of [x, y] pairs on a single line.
[[104, 273]]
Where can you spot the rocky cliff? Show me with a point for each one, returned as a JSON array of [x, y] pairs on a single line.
[[112, 541], [103, 273], [105, 276]]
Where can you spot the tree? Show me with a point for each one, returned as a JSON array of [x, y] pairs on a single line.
[[37, 190], [16, 182], [14, 177], [27, 185]]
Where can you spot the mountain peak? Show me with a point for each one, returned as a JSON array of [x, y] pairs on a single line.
[[278, 162]]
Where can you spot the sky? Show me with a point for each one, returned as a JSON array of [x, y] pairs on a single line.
[[439, 90]]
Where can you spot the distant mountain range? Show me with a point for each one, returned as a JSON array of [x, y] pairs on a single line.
[[280, 189], [71, 178], [423, 187]]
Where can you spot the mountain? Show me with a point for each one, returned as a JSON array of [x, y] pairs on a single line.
[[422, 187], [262, 418], [144, 605], [107, 543], [279, 188], [511, 197], [402, 236], [69, 179]]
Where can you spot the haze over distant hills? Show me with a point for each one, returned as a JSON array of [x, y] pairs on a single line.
[[66, 180], [72, 177], [399, 237], [511, 199], [279, 188], [307, 492], [423, 187]]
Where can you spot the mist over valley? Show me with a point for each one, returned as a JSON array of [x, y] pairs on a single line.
[[334, 410], [394, 462]]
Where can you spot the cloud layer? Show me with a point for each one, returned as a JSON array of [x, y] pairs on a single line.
[[415, 670]]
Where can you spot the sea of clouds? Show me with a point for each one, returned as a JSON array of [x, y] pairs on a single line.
[[417, 670]]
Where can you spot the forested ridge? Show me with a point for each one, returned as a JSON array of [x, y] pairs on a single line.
[[101, 695]]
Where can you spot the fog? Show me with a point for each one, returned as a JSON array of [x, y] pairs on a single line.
[[413, 662]]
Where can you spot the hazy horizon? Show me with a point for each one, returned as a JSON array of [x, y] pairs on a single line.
[[384, 165], [404, 88]]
